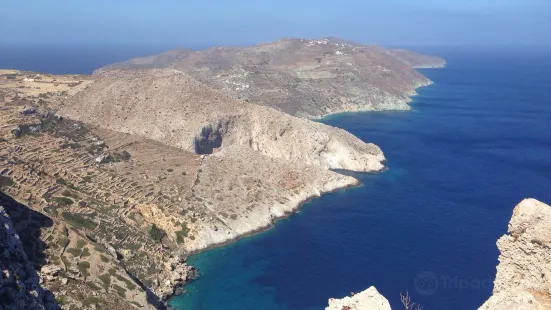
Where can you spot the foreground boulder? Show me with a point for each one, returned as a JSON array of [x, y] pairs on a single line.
[[369, 299], [523, 279]]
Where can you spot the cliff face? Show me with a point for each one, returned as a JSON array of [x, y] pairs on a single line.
[[523, 279], [19, 284], [306, 78], [369, 299]]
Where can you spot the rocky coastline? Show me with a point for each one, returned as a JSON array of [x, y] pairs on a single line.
[[138, 168]]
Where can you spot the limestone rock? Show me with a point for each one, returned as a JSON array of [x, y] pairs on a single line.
[[179, 274], [49, 272], [518, 300], [523, 279], [103, 158], [369, 299]]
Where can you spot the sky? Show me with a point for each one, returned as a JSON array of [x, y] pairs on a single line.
[[189, 23]]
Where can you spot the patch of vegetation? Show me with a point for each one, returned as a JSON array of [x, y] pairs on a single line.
[[156, 233], [91, 300], [122, 156], [74, 251], [62, 241], [78, 220], [104, 258], [60, 300], [86, 252], [128, 283], [83, 268], [81, 243], [68, 193], [63, 201], [169, 170], [5, 181], [106, 280], [62, 181], [73, 146], [182, 234], [120, 290], [92, 286], [87, 179]]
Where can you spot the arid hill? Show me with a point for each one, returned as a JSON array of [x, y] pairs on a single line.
[[136, 169], [168, 106], [307, 78]]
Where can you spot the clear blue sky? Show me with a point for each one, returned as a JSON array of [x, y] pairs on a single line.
[[200, 22]]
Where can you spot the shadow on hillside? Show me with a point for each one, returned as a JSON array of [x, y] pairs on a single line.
[[28, 224]]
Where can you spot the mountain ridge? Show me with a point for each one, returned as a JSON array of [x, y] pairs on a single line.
[[302, 77]]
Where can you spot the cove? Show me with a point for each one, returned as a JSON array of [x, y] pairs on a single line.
[[475, 144]]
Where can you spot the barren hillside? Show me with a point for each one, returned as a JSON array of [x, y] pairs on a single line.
[[307, 78], [168, 106]]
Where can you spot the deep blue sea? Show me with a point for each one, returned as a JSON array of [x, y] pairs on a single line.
[[476, 143]]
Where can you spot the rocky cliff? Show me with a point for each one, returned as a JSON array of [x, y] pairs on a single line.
[[523, 279], [307, 78], [19, 284], [369, 299]]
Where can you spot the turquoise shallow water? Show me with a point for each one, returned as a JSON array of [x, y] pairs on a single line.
[[475, 144]]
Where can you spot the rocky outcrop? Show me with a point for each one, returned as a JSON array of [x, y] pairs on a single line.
[[369, 299], [302, 77], [179, 274], [523, 279], [19, 283]]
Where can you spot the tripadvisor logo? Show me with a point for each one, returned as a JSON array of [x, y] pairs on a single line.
[[428, 283]]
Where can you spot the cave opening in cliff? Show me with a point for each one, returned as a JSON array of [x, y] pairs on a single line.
[[208, 141]]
